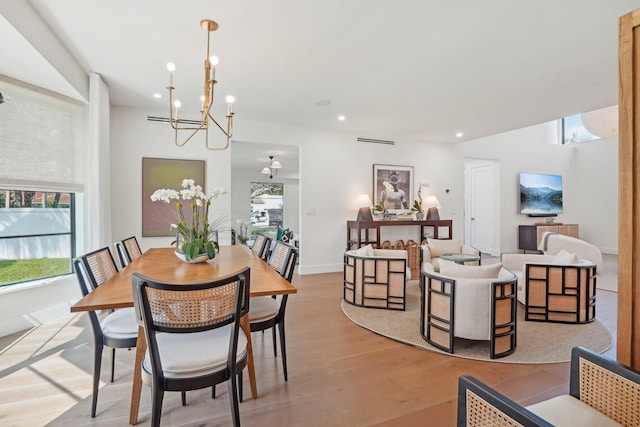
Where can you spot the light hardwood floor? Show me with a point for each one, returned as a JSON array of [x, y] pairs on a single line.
[[339, 375]]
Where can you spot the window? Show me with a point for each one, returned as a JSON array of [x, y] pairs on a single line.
[[573, 130], [41, 172], [267, 206], [37, 235]]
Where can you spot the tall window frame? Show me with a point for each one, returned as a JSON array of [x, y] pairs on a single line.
[[42, 140]]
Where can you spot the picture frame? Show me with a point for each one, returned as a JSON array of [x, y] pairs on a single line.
[[393, 186], [157, 173]]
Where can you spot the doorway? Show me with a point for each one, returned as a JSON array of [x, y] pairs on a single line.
[[482, 205]]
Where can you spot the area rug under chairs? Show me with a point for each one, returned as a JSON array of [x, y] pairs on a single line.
[[538, 342]]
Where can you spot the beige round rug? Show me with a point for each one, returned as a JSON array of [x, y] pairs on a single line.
[[537, 342]]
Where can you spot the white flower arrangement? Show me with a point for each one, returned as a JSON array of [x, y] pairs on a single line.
[[197, 234]]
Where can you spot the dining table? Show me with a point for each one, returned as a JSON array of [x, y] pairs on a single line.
[[163, 265]]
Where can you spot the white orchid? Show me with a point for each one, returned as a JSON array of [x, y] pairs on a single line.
[[197, 235]]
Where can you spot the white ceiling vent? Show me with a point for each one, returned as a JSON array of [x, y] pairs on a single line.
[[376, 141]]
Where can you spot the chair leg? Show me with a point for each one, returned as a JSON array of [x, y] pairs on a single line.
[[113, 362], [275, 352], [184, 398], [240, 386], [97, 363], [213, 391], [156, 405], [233, 399], [283, 349]]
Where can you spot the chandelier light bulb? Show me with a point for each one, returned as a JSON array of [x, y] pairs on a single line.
[[171, 67], [230, 100], [214, 60]]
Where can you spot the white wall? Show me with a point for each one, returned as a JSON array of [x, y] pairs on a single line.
[[589, 171], [327, 194]]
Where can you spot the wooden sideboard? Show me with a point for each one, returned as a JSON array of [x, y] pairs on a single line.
[[360, 233], [529, 235]]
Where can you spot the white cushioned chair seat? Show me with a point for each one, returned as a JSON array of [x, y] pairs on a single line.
[[566, 410], [200, 353], [263, 308], [472, 301], [120, 324]]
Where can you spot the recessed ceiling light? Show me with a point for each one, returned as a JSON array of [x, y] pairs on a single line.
[[459, 134], [322, 103], [157, 96], [342, 118]]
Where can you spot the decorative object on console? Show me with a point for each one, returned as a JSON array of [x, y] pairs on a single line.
[[272, 170], [432, 205], [364, 205], [417, 205], [194, 237], [206, 99], [393, 188]]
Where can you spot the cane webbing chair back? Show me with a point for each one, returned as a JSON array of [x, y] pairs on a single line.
[[118, 329], [283, 260], [210, 312], [268, 312], [99, 266], [128, 250], [261, 246]]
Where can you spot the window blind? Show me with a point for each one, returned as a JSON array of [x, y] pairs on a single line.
[[41, 139]]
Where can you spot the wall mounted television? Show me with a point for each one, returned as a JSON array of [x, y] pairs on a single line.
[[540, 194]]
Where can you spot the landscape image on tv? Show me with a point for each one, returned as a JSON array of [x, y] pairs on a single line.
[[540, 194]]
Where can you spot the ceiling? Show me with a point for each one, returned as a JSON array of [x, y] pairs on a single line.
[[414, 70]]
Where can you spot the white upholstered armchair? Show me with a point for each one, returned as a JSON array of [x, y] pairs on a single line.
[[434, 248], [376, 278], [471, 302]]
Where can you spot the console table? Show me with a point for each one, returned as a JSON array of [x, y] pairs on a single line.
[[529, 235], [360, 233]]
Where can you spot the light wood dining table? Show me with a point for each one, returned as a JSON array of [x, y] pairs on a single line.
[[163, 265]]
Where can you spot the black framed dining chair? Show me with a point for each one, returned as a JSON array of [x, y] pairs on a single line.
[[261, 246], [117, 329], [269, 311], [193, 335], [127, 250]]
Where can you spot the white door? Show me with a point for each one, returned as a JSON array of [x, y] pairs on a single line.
[[482, 206]]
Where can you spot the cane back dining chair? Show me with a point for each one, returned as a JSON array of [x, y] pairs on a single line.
[[193, 335], [117, 329], [128, 250], [268, 312], [261, 246]]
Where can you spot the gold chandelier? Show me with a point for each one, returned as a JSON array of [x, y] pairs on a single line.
[[206, 118]]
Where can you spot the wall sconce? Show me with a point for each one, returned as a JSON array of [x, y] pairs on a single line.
[[431, 203], [272, 170]]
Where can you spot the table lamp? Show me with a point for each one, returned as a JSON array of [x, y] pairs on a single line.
[[364, 204], [431, 204]]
